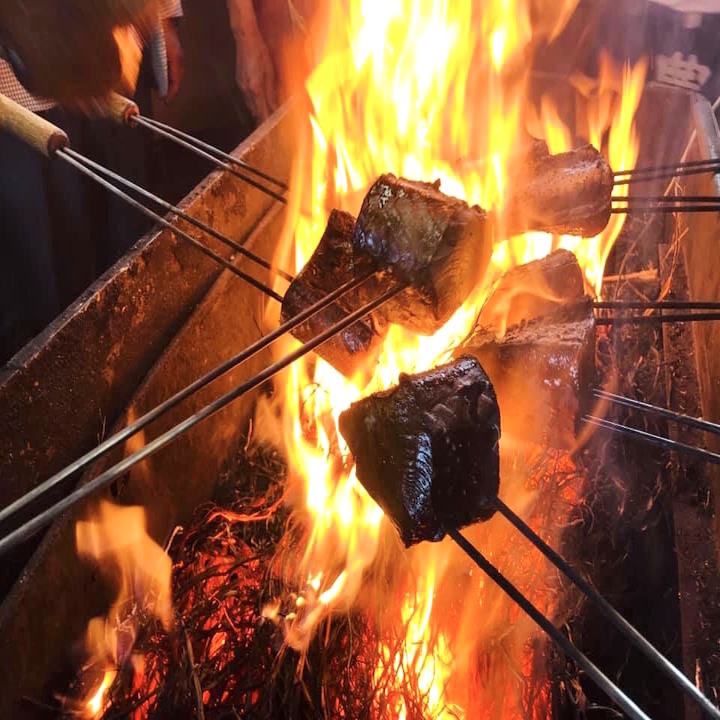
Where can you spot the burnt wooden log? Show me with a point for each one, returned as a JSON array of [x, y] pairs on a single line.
[[533, 290], [543, 372], [565, 194], [435, 242], [427, 450], [332, 264]]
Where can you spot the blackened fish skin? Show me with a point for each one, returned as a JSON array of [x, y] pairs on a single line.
[[427, 450], [331, 265], [435, 242]]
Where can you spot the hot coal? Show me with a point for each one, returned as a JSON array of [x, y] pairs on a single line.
[[437, 243], [427, 450], [566, 194], [332, 264], [543, 372]]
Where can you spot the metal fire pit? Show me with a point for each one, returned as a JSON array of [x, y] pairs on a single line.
[[164, 315]]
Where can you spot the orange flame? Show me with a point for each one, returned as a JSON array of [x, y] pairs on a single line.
[[117, 539], [414, 87]]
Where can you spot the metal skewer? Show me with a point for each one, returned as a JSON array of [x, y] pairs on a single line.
[[29, 528], [215, 151], [62, 153], [659, 209], [664, 168], [657, 440], [662, 412], [158, 411], [649, 319], [610, 613], [656, 305], [603, 682], [179, 212], [139, 120], [667, 199], [666, 172]]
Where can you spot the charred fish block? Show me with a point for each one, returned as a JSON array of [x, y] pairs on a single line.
[[565, 194], [435, 242], [331, 265], [427, 450], [534, 290], [543, 372]]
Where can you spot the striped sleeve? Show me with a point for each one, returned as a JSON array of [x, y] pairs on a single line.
[[170, 9], [11, 87]]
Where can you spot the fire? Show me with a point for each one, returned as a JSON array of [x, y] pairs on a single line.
[[425, 89], [117, 539], [416, 87]]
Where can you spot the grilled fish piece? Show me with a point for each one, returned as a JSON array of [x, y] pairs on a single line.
[[533, 290], [331, 265], [565, 194], [437, 243], [427, 450], [543, 371]]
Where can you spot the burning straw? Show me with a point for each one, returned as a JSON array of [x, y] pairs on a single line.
[[224, 657]]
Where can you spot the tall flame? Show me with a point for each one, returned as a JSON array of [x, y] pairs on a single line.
[[417, 87]]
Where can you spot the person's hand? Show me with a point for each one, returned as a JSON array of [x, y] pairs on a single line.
[[255, 76], [175, 57]]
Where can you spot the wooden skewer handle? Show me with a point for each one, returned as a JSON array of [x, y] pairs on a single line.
[[33, 130], [121, 110]]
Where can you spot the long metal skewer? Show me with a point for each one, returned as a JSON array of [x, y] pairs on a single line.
[[167, 224], [139, 120], [667, 199], [212, 149], [603, 682], [158, 411], [179, 212], [665, 168], [662, 412], [610, 613], [660, 209], [656, 440], [650, 319], [42, 519], [710, 167], [656, 305]]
